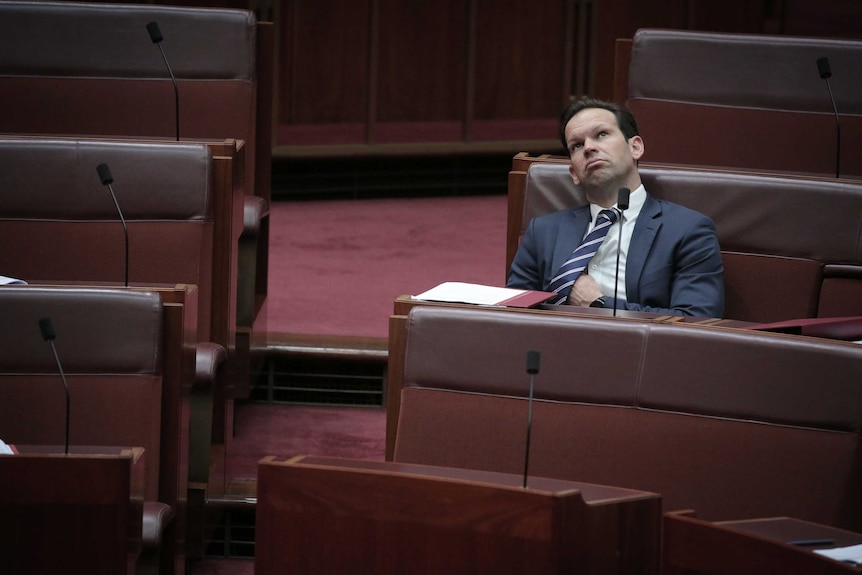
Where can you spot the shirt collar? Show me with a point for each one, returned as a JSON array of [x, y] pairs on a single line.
[[636, 202]]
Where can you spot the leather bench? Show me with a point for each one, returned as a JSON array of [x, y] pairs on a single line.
[[733, 423], [744, 101], [92, 70], [119, 352], [66, 230], [791, 245]]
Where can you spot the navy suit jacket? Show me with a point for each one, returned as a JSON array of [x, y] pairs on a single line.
[[673, 265]]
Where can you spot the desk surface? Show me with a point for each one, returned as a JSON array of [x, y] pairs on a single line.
[[762, 546], [136, 456], [590, 492], [404, 303], [789, 530]]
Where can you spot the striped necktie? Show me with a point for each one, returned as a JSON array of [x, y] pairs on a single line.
[[580, 258]]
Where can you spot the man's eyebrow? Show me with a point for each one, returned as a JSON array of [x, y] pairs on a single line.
[[603, 127]]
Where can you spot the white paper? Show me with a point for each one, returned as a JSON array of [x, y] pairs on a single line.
[[851, 554], [10, 281], [5, 449], [459, 292]]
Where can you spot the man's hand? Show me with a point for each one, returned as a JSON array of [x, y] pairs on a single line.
[[584, 292]]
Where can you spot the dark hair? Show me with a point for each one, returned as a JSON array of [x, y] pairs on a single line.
[[625, 119]]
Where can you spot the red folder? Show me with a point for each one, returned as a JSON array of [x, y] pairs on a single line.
[[841, 328]]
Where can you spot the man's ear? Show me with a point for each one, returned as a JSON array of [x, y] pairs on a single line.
[[574, 177], [636, 145]]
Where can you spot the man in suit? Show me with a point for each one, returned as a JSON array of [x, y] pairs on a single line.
[[669, 260]]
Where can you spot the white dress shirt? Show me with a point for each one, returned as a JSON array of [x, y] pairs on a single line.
[[603, 266]]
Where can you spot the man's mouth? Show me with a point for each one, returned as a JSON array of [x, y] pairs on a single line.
[[593, 163]]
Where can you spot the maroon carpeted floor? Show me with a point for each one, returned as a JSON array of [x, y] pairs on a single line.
[[336, 266], [287, 430], [221, 567]]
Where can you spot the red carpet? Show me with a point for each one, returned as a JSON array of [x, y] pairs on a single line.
[[336, 266], [288, 430]]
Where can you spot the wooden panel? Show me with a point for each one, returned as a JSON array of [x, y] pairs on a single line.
[[523, 68], [68, 514], [381, 72], [422, 56], [394, 378], [324, 57], [397, 518], [475, 74], [737, 15], [832, 18], [520, 61]]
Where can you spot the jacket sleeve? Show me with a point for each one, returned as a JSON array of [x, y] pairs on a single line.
[[524, 272]]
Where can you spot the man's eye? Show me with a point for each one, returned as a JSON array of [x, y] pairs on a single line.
[[577, 146]]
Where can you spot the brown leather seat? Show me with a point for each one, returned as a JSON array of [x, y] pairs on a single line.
[[733, 423], [110, 345], [752, 101], [91, 70], [790, 245], [66, 230]]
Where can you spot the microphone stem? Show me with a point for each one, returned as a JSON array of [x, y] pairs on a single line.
[[176, 91], [66, 386], [837, 132], [126, 270], [529, 431], [617, 276], [125, 232]]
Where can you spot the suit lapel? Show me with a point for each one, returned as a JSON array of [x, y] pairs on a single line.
[[646, 228]]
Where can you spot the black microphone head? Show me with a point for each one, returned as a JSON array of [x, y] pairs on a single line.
[[47, 329], [155, 33], [105, 174], [623, 198], [533, 358], [823, 67]]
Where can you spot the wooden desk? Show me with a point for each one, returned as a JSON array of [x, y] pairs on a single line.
[[76, 513], [751, 547], [329, 515]]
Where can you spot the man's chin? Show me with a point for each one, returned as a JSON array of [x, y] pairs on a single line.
[[596, 178]]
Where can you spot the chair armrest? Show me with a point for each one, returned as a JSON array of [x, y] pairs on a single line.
[[208, 357], [253, 210], [157, 516]]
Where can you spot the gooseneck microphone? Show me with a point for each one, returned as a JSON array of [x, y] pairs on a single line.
[[533, 358], [156, 37], [825, 73], [48, 335], [622, 205], [107, 180]]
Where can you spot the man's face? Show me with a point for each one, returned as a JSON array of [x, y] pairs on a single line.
[[598, 150]]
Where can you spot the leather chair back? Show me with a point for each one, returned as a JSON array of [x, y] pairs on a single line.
[[733, 423], [65, 226], [746, 101], [791, 246]]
